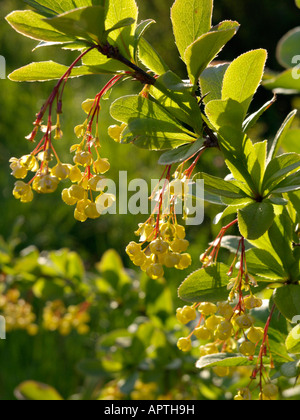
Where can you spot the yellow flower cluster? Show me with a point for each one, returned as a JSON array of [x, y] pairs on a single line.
[[58, 317], [269, 392], [86, 172], [166, 250], [18, 313], [222, 328], [85, 184]]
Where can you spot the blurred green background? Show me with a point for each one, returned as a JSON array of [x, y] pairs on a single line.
[[47, 223]]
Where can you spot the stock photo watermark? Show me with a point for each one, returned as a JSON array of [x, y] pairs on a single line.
[[2, 67], [2, 328], [296, 331], [296, 68], [180, 197]]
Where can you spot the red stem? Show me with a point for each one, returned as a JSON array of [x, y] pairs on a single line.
[[263, 348], [161, 200], [190, 170], [54, 93]]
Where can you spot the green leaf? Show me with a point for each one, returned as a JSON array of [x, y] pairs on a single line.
[[27, 263], [99, 61], [181, 154], [238, 165], [116, 11], [74, 267], [225, 113], [293, 341], [281, 135], [264, 243], [255, 219], [219, 186], [211, 82], [78, 45], [279, 168], [64, 265], [290, 183], [111, 261], [243, 77], [256, 157], [201, 52], [139, 32], [297, 3], [211, 198], [206, 285], [293, 199], [278, 349], [262, 263], [176, 97], [278, 201], [229, 211], [281, 238], [291, 369], [149, 125], [49, 289], [288, 47], [287, 82], [150, 58], [226, 360], [121, 24], [130, 107], [50, 8], [46, 7], [287, 300], [35, 391], [236, 203], [153, 134], [190, 19], [84, 23], [49, 70], [235, 146], [33, 25], [253, 118], [121, 337]]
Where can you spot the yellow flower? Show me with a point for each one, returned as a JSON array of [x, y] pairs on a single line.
[[104, 202], [91, 211], [115, 132], [80, 217], [101, 166], [23, 192], [75, 174], [30, 162], [79, 130], [45, 184], [70, 201], [18, 171], [87, 105], [83, 158], [77, 192], [60, 171], [97, 183]]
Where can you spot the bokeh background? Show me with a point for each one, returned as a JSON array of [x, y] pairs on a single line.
[[47, 223]]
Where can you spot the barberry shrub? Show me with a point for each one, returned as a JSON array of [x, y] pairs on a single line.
[[232, 305]]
